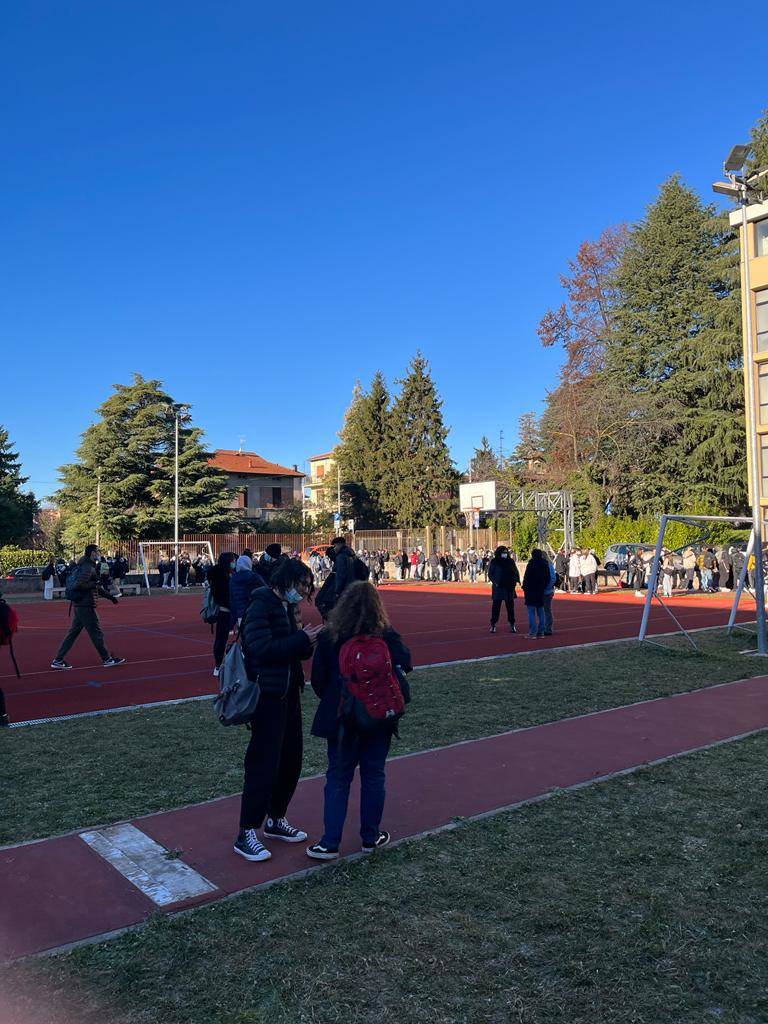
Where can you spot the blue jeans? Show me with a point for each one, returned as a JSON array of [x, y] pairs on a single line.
[[548, 621], [706, 579], [533, 614], [369, 751]]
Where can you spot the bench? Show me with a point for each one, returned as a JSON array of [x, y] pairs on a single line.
[[126, 588], [130, 588]]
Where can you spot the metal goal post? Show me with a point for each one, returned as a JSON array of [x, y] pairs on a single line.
[[147, 547], [653, 578]]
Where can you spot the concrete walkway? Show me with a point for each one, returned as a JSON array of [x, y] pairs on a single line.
[[72, 888]]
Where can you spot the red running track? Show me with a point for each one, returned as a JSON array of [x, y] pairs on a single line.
[[169, 649]]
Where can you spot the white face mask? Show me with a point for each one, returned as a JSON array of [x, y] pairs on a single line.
[[504, 554]]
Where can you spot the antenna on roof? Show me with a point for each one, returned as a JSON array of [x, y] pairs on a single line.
[[240, 449]]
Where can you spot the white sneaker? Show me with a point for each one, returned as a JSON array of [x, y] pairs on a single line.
[[216, 672]]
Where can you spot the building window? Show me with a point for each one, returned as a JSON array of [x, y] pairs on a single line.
[[762, 391], [761, 238], [764, 464], [277, 497], [761, 316], [320, 472]]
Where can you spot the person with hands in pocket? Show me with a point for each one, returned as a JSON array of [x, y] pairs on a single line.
[[274, 643]]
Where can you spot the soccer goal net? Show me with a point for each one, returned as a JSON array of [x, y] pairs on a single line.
[[153, 553], [705, 524]]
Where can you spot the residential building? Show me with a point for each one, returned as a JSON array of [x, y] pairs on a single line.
[[320, 468], [261, 490]]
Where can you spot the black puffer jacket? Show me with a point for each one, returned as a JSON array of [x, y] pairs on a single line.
[[505, 576], [88, 583], [273, 646]]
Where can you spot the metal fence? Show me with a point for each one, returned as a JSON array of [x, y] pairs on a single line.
[[436, 538]]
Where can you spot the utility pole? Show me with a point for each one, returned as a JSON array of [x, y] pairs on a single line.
[[176, 500]]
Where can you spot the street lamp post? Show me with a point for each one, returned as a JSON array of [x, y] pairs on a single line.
[[738, 187], [179, 412]]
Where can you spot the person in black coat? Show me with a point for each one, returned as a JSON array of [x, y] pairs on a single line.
[[359, 612], [536, 579], [218, 581], [268, 561], [505, 576], [274, 643]]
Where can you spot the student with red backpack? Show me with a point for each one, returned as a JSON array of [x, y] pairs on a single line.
[[358, 673]]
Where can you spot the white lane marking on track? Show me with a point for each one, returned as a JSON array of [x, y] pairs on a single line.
[[146, 865], [94, 668]]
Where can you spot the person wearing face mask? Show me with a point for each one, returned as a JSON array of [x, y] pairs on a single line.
[[274, 644], [504, 575], [83, 584], [268, 561], [218, 581]]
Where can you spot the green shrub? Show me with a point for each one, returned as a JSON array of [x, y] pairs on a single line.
[[15, 558]]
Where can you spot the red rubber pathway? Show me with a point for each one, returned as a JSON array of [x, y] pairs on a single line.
[[169, 649], [59, 890]]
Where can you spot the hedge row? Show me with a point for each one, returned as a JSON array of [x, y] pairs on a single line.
[[14, 558]]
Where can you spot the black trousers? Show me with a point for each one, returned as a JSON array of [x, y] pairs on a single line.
[[496, 604], [84, 618], [273, 759], [220, 639]]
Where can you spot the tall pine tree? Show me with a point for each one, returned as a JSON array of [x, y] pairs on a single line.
[[127, 457], [17, 509], [484, 464], [677, 352], [361, 455], [422, 481]]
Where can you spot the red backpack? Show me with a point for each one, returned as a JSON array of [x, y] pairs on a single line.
[[370, 690]]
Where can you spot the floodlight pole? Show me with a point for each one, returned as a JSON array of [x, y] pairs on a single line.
[[757, 514], [176, 500]]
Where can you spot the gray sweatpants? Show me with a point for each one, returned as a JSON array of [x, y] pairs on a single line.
[[84, 618]]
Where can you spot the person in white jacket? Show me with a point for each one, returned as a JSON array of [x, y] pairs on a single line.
[[574, 571], [588, 567]]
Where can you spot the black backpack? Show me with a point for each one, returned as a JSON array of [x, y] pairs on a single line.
[[360, 570], [326, 595]]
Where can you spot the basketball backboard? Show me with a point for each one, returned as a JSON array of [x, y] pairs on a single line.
[[480, 495]]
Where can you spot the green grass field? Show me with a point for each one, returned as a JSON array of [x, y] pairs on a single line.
[[643, 900], [91, 771]]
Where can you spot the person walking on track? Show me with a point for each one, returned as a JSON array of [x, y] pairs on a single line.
[[83, 585], [505, 576], [274, 644]]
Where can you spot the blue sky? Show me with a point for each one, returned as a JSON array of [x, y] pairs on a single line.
[[260, 203]]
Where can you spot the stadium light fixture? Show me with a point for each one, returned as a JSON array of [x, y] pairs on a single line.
[[737, 158], [180, 413]]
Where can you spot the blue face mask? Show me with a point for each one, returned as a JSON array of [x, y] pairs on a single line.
[[267, 558], [292, 596]]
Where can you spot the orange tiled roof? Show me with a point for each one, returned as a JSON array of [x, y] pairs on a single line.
[[250, 463], [314, 458]]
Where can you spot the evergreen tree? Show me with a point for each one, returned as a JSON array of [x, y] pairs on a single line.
[[17, 509], [361, 455], [422, 482], [677, 352], [127, 459], [530, 443], [484, 464]]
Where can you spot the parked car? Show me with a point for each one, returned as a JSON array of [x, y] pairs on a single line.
[[617, 556], [25, 572]]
